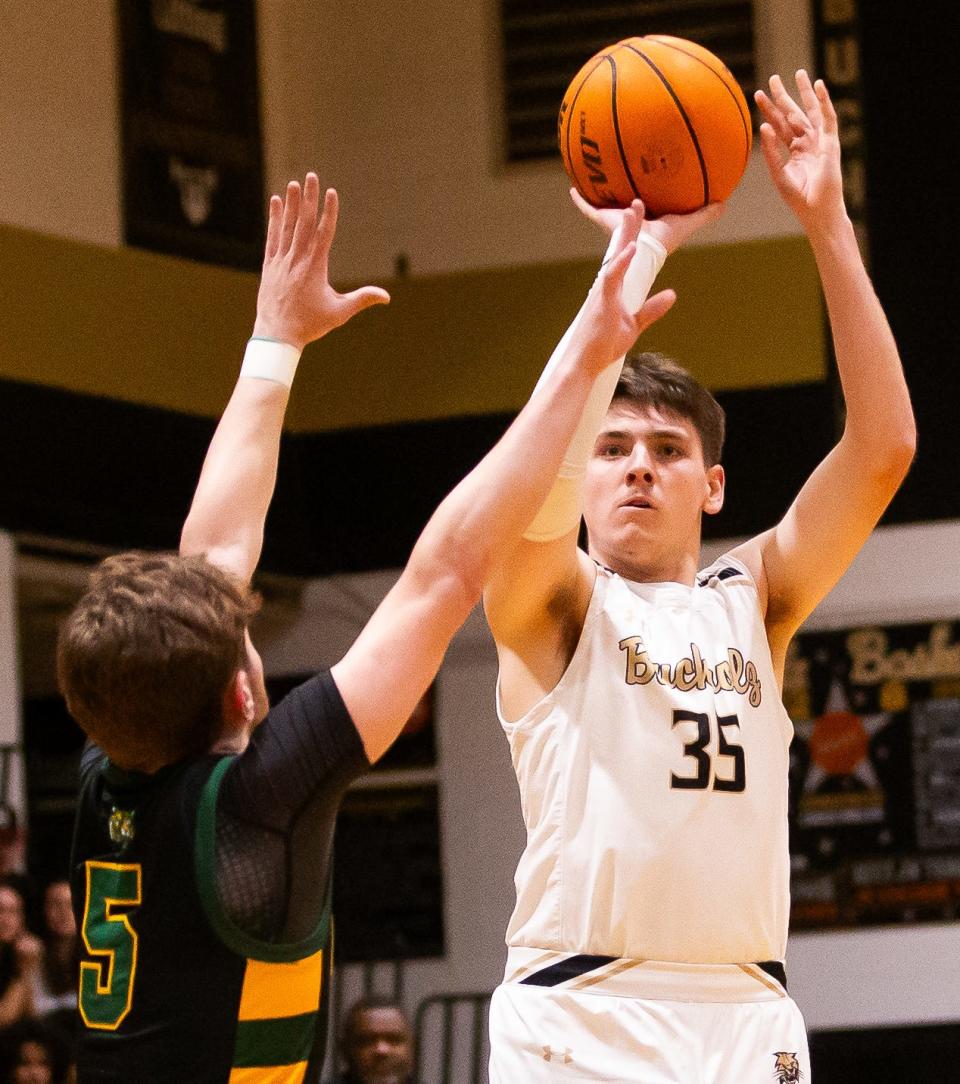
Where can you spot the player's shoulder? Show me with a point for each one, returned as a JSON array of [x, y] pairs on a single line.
[[726, 570]]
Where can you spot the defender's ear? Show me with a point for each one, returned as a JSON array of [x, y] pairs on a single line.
[[716, 482], [239, 705]]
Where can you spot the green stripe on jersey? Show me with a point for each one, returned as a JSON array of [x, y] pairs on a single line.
[[284, 1041]]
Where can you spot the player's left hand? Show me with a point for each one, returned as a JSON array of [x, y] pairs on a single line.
[[801, 147], [670, 230], [296, 303]]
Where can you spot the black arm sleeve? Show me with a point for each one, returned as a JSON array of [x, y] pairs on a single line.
[[276, 812]]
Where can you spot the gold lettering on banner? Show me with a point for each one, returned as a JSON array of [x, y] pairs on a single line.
[[872, 663], [732, 674]]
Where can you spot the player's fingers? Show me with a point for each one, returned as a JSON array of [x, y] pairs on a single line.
[[808, 99], [611, 281], [792, 112], [773, 116], [630, 222], [830, 125], [274, 216], [770, 146], [307, 216], [291, 208], [653, 308]]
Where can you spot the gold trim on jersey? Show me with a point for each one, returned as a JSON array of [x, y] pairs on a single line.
[[272, 990], [608, 973], [274, 1074], [761, 976]]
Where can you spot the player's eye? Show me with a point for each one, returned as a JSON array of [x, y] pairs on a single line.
[[611, 451]]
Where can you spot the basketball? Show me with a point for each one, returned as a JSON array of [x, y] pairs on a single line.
[[659, 118]]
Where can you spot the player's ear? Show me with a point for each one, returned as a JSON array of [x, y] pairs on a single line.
[[239, 705], [716, 481]]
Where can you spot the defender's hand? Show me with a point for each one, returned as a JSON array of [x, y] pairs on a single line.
[[296, 303]]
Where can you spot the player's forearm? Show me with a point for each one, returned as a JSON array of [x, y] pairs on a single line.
[[229, 510], [879, 417], [478, 524]]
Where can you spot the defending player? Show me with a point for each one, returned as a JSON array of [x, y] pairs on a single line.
[[642, 704], [201, 865]]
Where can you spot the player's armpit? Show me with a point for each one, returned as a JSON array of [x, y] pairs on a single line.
[[535, 606]]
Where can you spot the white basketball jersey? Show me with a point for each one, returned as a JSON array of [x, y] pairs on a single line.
[[653, 781]]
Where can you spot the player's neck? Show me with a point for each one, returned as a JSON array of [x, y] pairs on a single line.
[[675, 568]]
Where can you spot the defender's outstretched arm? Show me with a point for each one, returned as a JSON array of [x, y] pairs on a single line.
[[296, 305]]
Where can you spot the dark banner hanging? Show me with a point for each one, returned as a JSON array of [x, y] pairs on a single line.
[[875, 775], [192, 162]]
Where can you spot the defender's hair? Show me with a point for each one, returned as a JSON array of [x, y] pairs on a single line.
[[655, 380], [146, 655]]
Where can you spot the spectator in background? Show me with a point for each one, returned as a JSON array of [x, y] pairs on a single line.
[[376, 1044], [55, 979], [33, 1053], [20, 955]]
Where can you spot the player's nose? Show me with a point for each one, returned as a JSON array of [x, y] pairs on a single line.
[[639, 465]]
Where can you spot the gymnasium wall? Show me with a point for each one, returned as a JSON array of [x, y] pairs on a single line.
[[498, 258]]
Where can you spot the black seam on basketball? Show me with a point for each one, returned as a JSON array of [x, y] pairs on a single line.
[[616, 126], [744, 120], [683, 115], [573, 102]]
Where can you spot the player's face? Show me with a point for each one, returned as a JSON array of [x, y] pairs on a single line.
[[646, 490], [381, 1048]]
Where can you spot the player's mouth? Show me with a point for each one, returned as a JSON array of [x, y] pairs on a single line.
[[639, 502]]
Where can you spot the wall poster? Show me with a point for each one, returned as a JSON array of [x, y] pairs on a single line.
[[875, 775], [192, 160]]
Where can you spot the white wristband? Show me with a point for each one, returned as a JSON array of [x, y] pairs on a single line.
[[267, 359]]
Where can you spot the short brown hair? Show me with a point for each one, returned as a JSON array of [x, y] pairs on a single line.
[[146, 655], [654, 380]]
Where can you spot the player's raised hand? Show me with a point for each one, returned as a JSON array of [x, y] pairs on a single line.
[[801, 146], [607, 328], [296, 303], [670, 230]]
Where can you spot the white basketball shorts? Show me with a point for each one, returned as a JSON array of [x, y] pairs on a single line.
[[561, 1017]]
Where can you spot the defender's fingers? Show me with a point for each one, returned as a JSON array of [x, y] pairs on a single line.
[[770, 146], [291, 208], [327, 226], [358, 300], [307, 217], [274, 215]]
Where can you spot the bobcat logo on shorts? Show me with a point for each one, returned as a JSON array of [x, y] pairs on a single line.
[[787, 1068]]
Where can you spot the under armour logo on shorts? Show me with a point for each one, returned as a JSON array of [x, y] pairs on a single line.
[[565, 1055]]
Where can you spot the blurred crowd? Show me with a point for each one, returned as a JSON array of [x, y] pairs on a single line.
[[38, 982]]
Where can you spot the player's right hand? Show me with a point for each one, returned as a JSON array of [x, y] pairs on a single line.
[[670, 230]]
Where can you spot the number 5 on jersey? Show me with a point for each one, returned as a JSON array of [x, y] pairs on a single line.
[[106, 985], [697, 751]]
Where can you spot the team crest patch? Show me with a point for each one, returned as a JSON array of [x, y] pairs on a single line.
[[121, 826], [787, 1068]]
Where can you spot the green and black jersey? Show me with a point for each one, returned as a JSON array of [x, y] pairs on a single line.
[[202, 894]]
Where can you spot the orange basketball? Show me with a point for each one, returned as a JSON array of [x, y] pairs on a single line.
[[660, 118]]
